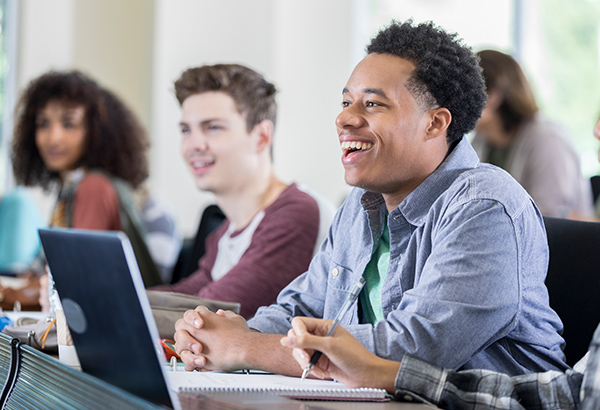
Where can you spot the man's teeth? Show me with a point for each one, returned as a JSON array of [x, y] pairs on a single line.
[[200, 164], [356, 145]]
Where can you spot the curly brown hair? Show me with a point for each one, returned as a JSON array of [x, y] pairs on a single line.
[[115, 140]]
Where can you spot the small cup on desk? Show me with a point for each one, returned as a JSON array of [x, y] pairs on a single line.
[[66, 350]]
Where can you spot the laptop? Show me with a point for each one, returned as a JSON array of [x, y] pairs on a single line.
[[109, 316], [112, 326]]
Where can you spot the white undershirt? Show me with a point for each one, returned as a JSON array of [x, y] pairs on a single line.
[[230, 250]]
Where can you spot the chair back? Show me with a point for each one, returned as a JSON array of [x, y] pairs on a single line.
[[192, 250], [573, 280], [595, 181]]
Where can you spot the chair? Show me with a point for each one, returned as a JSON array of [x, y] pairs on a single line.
[[573, 280], [595, 181], [193, 249]]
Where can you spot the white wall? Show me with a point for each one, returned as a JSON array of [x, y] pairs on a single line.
[[45, 38], [138, 48]]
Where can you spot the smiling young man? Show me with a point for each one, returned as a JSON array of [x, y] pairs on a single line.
[[227, 126], [453, 251]]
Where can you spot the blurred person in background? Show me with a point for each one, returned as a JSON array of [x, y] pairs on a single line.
[[79, 139], [536, 151], [20, 218]]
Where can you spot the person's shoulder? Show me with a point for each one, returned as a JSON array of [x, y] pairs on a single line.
[[541, 130], [96, 183], [489, 182], [294, 197], [294, 206]]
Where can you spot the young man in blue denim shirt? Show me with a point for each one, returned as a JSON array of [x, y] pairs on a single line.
[[454, 251]]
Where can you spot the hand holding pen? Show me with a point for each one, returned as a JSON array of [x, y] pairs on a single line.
[[336, 320]]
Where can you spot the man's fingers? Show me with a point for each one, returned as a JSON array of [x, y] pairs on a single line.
[[192, 318], [301, 357], [299, 325], [307, 341], [311, 325], [184, 341], [226, 313], [192, 361]]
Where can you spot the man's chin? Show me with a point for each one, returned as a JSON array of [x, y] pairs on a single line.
[[357, 182], [202, 185]]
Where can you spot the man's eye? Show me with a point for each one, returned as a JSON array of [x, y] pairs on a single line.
[[41, 125], [185, 130], [68, 125], [371, 104], [214, 127], [345, 104]]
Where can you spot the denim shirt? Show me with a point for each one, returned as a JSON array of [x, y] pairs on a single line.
[[465, 283]]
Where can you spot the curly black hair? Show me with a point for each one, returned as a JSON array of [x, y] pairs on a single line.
[[115, 140], [254, 96], [447, 72]]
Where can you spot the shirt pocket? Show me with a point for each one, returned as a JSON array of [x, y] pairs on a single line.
[[340, 278]]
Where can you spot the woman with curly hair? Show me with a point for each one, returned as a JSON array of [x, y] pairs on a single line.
[[76, 137]]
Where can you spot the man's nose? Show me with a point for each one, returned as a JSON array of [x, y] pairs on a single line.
[[197, 141], [351, 116]]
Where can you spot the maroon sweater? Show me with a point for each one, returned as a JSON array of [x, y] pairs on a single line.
[[281, 249]]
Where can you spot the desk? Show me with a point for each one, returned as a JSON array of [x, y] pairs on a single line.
[[259, 401], [43, 382]]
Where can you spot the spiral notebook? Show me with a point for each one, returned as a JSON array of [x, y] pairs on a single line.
[[285, 386]]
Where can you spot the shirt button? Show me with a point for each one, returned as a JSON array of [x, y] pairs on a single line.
[[335, 272]]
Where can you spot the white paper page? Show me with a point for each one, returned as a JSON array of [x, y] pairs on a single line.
[[274, 383]]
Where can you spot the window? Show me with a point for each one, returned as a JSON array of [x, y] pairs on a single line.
[[7, 82], [561, 56]]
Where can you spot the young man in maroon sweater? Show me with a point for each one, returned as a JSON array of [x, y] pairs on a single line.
[[227, 126]]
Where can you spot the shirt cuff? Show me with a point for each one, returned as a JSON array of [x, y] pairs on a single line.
[[417, 380]]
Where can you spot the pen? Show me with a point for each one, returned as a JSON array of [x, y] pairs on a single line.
[[336, 320]]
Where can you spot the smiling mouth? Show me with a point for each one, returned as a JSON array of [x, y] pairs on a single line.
[[200, 166], [348, 147], [54, 155]]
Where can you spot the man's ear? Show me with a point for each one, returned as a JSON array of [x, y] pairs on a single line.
[[439, 121], [264, 133]]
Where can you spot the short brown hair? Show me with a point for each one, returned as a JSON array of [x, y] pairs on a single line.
[[253, 95], [502, 73], [115, 140]]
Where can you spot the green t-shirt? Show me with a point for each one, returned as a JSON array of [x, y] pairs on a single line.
[[370, 296]]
